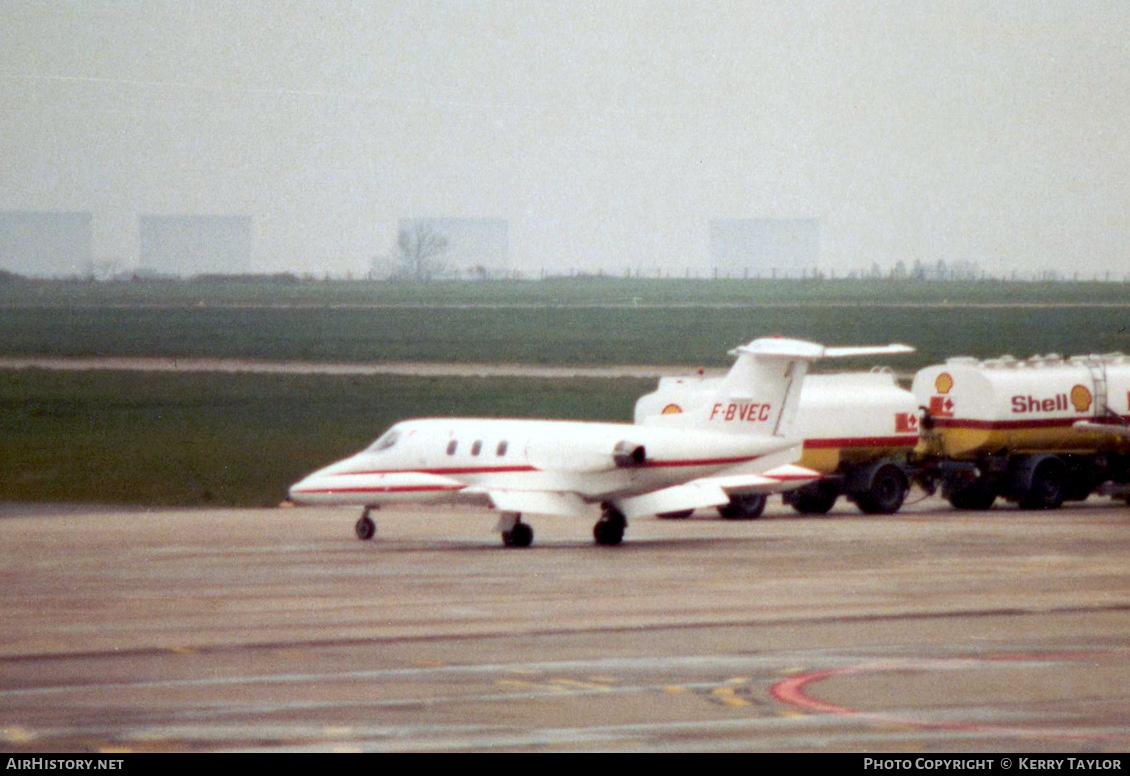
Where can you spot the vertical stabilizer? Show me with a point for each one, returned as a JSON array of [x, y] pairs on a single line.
[[761, 393]]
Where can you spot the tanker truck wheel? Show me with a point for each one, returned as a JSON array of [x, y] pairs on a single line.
[[815, 499], [1046, 488], [976, 497], [886, 494]]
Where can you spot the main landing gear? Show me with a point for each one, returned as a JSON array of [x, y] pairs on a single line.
[[366, 527], [609, 529], [514, 532]]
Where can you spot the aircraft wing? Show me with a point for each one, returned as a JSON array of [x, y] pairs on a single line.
[[716, 491], [541, 502]]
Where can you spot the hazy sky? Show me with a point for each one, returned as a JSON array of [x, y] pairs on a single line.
[[607, 134]]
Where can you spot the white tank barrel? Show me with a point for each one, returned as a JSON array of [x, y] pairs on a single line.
[[1008, 405]]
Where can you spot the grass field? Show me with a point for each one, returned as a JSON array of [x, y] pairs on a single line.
[[241, 439], [584, 322]]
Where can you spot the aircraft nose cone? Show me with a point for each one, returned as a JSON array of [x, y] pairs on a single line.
[[300, 491]]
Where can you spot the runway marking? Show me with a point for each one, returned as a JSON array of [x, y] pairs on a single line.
[[792, 691], [16, 735]]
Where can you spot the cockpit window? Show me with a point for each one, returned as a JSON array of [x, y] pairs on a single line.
[[387, 440]]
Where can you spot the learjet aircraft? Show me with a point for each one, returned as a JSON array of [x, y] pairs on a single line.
[[728, 453]]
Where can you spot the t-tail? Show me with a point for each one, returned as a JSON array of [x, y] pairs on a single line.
[[760, 394]]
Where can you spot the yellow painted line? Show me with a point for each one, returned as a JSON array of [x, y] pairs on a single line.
[[674, 689], [114, 750], [16, 735], [726, 696], [514, 683], [582, 685]]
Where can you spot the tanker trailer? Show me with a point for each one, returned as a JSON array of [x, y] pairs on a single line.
[[857, 428], [1036, 432]]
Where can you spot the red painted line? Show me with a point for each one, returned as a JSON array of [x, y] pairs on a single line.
[[791, 691]]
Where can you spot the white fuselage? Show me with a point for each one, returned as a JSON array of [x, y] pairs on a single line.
[[467, 458]]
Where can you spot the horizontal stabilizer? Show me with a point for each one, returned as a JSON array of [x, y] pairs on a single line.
[[801, 349], [541, 503], [868, 350], [777, 480]]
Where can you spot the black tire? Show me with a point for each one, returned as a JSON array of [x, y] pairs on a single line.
[[521, 535], [1045, 490], [608, 533], [973, 498], [609, 529], [815, 499], [365, 528], [748, 507], [886, 494]]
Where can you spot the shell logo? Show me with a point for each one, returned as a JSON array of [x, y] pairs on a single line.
[[943, 383], [672, 409], [1080, 398]]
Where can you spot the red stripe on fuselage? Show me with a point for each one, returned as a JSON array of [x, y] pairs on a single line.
[[513, 469], [395, 489], [444, 472], [700, 462]]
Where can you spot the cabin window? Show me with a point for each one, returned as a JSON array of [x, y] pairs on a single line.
[[477, 447], [501, 450], [451, 447]]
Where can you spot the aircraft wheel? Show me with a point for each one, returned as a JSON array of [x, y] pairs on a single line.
[[366, 527], [747, 507], [521, 535], [609, 530], [886, 494]]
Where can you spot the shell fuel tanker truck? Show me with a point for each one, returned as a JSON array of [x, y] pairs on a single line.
[[1036, 432]]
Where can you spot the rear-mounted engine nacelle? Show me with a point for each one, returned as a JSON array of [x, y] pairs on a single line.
[[628, 454]]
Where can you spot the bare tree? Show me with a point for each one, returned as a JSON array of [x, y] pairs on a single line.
[[419, 248]]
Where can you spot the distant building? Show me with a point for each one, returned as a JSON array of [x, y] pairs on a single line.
[[46, 243], [474, 248], [765, 247], [196, 245]]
